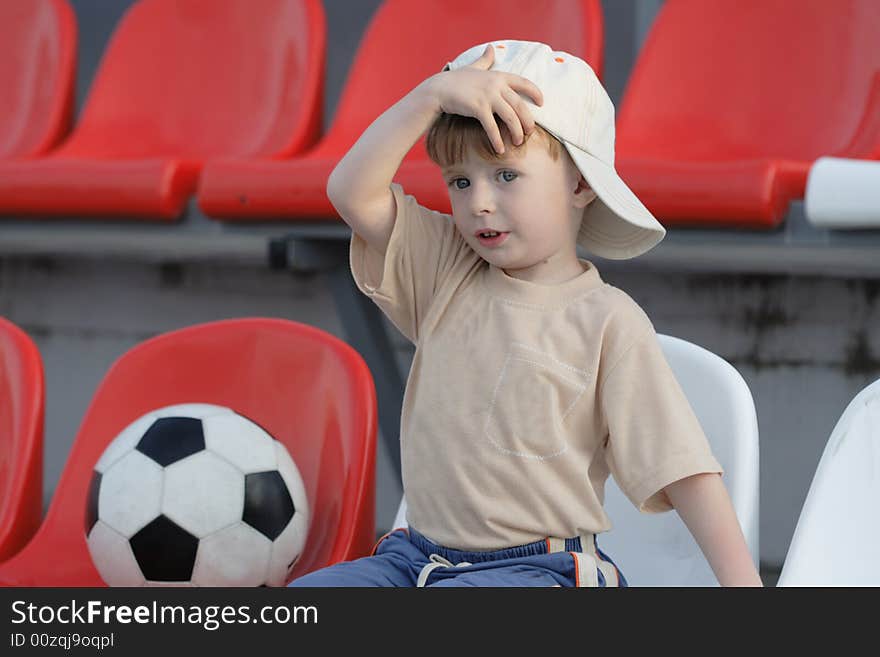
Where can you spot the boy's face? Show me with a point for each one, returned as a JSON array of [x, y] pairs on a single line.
[[534, 201]]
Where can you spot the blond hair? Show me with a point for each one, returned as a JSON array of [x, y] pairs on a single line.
[[451, 135]]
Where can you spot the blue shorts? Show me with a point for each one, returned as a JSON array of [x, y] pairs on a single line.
[[403, 557]]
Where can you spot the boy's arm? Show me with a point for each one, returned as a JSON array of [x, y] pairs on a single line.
[[359, 186], [705, 507]]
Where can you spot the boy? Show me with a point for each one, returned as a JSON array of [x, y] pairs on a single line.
[[532, 379]]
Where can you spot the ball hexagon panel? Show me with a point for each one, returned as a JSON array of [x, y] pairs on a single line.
[[164, 551], [203, 493], [118, 567], [170, 439], [130, 493], [241, 442], [234, 556], [268, 506], [124, 442]]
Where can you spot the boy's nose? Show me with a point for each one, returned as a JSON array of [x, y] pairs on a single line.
[[482, 199]]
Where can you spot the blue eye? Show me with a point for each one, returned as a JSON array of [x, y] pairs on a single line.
[[460, 183], [508, 176]]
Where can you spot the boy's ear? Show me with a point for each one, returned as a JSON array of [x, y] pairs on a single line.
[[583, 193]]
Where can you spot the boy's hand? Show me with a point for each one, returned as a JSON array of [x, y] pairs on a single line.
[[478, 92]]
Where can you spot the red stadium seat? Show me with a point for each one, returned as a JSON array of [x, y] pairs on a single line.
[[37, 75], [405, 43], [22, 402], [730, 103], [181, 81], [311, 391]]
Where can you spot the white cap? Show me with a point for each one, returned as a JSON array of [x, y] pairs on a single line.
[[579, 113]]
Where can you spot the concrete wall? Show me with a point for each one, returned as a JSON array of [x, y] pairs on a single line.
[[805, 345]]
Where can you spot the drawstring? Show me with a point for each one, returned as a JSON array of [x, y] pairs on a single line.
[[436, 561]]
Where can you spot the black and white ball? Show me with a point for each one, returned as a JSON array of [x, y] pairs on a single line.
[[195, 495]]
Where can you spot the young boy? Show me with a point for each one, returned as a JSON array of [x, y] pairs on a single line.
[[532, 380]]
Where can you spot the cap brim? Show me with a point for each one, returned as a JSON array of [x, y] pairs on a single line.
[[616, 225]]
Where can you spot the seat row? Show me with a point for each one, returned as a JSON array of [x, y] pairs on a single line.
[[727, 108]]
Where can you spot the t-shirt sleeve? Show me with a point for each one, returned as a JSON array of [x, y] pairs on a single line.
[[654, 437], [424, 250]]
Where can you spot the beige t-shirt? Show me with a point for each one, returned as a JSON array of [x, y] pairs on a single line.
[[522, 398]]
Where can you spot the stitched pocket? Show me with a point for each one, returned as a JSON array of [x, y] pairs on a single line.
[[533, 396]]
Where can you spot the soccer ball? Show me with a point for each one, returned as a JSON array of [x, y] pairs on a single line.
[[195, 495]]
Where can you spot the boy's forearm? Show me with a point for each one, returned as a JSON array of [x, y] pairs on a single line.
[[368, 168], [705, 507]]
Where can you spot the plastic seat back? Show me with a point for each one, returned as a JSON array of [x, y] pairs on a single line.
[[37, 75], [658, 549], [837, 538], [728, 80], [408, 41], [22, 404], [197, 79], [308, 389]]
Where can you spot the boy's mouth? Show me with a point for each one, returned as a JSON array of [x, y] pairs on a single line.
[[491, 238]]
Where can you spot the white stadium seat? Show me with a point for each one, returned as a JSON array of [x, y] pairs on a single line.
[[837, 538]]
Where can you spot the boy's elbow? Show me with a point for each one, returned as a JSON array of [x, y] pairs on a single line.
[[334, 188], [338, 194]]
